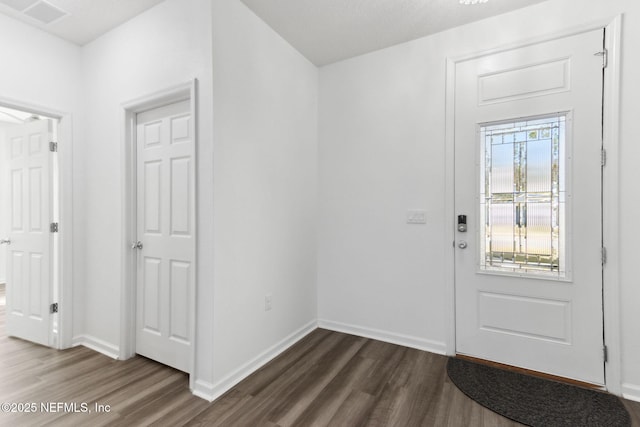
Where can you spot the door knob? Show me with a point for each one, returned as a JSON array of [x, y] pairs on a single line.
[[5, 242], [137, 245], [462, 244]]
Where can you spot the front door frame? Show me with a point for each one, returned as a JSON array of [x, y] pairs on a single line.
[[182, 92], [64, 276], [611, 210]]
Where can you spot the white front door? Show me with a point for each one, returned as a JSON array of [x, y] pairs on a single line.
[[28, 188], [165, 228], [528, 139]]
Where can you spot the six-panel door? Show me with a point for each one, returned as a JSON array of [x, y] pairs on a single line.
[[28, 186], [165, 229]]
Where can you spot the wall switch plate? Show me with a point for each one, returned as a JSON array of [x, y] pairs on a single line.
[[267, 302], [416, 216]]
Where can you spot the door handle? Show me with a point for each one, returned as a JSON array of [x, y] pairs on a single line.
[[137, 245], [5, 242], [462, 244]]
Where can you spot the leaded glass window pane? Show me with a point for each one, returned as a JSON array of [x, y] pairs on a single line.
[[522, 196]]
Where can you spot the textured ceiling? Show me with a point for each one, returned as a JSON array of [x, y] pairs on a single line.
[[85, 19], [324, 31], [327, 31]]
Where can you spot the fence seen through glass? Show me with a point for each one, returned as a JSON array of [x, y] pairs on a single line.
[[523, 196]]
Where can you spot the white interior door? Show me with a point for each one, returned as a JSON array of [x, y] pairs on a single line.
[[528, 143], [166, 233], [29, 243]]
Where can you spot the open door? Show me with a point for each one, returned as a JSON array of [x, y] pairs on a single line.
[[28, 184]]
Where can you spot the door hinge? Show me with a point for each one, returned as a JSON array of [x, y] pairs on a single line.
[[53, 147], [53, 227], [605, 353], [605, 57], [53, 308], [603, 157], [604, 255]]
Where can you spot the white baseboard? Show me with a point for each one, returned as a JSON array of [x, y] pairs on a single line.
[[390, 337], [204, 390], [631, 391], [96, 344], [211, 392]]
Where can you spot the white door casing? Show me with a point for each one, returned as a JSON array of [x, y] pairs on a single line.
[[543, 324], [165, 228], [29, 191]]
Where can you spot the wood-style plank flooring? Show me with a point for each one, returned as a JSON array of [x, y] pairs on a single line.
[[326, 379]]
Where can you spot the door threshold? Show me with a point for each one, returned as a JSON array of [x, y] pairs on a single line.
[[531, 373]]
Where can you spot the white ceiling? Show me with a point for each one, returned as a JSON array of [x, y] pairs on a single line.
[[327, 31], [84, 20], [324, 31]]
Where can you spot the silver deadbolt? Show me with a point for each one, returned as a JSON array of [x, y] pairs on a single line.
[[5, 242], [462, 223], [462, 244], [137, 245]]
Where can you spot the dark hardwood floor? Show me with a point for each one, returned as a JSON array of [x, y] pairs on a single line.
[[326, 379]]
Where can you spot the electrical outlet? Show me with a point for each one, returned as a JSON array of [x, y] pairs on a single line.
[[267, 302], [416, 216]]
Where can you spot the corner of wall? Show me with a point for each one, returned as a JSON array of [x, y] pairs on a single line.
[[631, 391], [431, 346], [211, 392], [96, 344]]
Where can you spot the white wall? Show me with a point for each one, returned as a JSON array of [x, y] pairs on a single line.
[[382, 151], [380, 154], [43, 71], [257, 162], [168, 45], [264, 169], [37, 68], [265, 166]]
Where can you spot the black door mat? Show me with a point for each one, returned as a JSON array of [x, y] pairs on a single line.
[[535, 401]]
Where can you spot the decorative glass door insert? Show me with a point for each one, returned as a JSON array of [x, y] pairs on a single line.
[[523, 197]]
